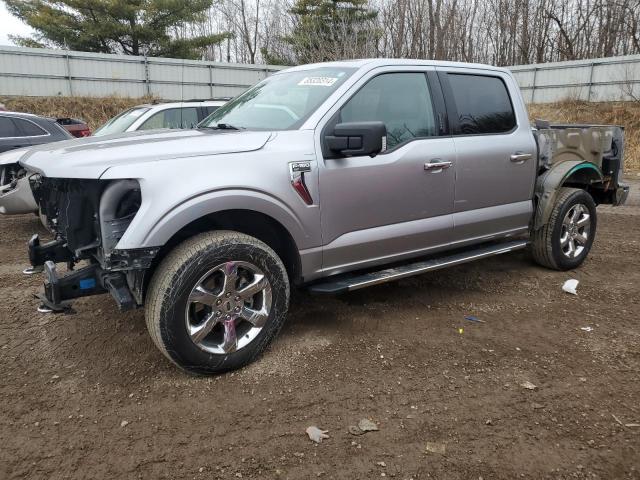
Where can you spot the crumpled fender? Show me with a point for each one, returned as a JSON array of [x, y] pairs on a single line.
[[549, 183]]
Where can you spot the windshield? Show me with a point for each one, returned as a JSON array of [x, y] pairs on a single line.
[[281, 102], [120, 123]]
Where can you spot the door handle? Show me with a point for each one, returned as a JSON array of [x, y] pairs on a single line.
[[519, 157], [437, 165]]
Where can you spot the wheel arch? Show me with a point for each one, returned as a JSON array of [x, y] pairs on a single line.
[[250, 222], [572, 173]]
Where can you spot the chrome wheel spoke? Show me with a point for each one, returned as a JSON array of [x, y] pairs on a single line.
[[230, 341], [564, 239], [230, 271], [257, 318], [258, 284], [581, 238], [574, 213], [584, 221], [199, 333], [572, 248], [202, 295]]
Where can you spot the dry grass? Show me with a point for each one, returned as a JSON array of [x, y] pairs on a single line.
[[96, 111], [626, 114]]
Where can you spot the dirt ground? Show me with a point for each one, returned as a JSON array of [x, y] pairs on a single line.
[[89, 396]]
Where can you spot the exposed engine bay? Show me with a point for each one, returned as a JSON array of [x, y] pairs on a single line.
[[88, 218]]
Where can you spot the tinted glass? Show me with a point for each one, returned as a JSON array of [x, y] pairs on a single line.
[[483, 104], [209, 110], [281, 102], [401, 100], [29, 129], [8, 128], [172, 118], [121, 122]]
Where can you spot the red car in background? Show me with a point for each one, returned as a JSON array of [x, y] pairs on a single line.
[[77, 128]]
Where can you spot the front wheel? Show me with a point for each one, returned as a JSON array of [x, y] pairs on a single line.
[[565, 241], [216, 301]]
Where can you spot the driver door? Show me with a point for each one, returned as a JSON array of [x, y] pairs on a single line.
[[379, 209]]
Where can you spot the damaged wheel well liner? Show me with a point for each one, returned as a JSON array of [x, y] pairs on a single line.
[[576, 174]]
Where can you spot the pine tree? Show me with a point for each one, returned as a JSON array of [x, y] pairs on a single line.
[[328, 30], [133, 27]]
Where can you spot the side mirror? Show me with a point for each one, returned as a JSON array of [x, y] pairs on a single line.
[[357, 138]]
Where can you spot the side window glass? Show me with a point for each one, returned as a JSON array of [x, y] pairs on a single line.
[[210, 110], [8, 128], [401, 100], [483, 104], [172, 118], [184, 118], [29, 129]]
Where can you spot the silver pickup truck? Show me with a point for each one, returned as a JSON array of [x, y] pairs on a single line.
[[330, 177]]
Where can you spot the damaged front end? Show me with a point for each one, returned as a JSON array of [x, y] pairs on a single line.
[[88, 218], [15, 194]]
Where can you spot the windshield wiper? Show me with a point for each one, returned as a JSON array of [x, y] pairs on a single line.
[[225, 126]]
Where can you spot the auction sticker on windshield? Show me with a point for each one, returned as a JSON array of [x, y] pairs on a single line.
[[318, 81]]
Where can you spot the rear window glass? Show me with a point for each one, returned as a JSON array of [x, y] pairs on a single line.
[[8, 128], [28, 128], [483, 104]]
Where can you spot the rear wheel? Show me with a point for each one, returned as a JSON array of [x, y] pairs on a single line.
[[216, 301], [565, 241]]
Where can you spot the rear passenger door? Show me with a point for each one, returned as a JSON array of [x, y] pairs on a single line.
[[495, 164]]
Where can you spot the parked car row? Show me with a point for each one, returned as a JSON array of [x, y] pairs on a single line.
[[23, 130]]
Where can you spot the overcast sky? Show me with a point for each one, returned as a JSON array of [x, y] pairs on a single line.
[[10, 25]]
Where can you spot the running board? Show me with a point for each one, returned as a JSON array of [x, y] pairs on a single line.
[[347, 283]]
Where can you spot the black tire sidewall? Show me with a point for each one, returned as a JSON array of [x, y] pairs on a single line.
[[562, 261], [173, 330]]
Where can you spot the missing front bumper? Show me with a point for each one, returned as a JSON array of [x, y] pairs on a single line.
[[85, 282]]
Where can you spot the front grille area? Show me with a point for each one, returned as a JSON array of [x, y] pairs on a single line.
[[71, 209]]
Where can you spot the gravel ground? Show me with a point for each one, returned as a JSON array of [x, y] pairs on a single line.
[[88, 396]]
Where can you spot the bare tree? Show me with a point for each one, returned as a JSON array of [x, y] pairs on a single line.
[[502, 32]]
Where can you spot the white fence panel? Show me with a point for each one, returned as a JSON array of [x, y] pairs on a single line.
[[597, 80], [42, 72]]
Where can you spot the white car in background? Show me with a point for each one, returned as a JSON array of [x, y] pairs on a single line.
[[161, 115]]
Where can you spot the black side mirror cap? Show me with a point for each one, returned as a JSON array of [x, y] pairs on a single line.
[[357, 138]]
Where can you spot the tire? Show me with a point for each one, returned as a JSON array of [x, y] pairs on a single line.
[[551, 244], [178, 313]]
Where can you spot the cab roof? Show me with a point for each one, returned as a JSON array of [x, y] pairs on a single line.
[[370, 63]]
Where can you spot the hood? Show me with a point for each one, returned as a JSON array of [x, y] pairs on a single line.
[[91, 157]]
